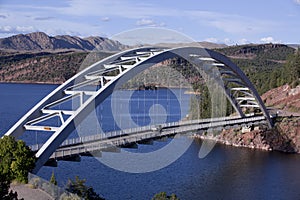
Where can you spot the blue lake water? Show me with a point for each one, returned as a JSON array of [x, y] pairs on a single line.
[[226, 173]]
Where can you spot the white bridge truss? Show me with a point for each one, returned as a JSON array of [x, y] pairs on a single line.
[[95, 83]]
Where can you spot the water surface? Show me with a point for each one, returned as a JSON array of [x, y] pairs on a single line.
[[226, 173]]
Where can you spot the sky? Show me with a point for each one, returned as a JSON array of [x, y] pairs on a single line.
[[218, 21]]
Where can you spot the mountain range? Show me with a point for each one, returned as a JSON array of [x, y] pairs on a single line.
[[39, 41]]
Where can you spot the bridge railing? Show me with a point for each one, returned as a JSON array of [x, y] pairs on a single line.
[[184, 126], [93, 145]]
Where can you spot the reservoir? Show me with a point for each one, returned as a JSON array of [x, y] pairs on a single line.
[[225, 173]]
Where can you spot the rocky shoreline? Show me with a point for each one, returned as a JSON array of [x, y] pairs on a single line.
[[284, 137]]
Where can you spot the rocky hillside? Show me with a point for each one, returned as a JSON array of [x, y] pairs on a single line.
[[39, 41], [283, 97], [283, 137], [45, 67]]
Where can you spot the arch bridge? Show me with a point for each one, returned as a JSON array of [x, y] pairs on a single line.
[[95, 83]]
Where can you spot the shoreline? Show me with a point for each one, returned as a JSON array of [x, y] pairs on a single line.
[[227, 143], [32, 83], [284, 137], [51, 83]]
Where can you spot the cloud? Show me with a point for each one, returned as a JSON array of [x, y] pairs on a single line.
[[212, 40], [17, 29], [43, 18], [5, 29], [149, 22], [27, 29], [243, 41], [297, 1], [3, 17], [145, 22], [105, 19], [269, 40], [121, 8], [132, 14], [229, 41], [231, 23], [143, 12]]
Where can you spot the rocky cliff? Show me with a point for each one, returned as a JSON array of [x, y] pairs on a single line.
[[284, 97], [285, 136]]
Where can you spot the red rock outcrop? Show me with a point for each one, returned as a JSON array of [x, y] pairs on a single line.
[[285, 136], [283, 97]]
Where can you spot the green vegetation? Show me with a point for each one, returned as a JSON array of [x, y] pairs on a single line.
[[200, 105], [267, 66], [270, 51], [292, 69], [16, 160], [5, 194], [53, 179], [164, 196], [78, 187]]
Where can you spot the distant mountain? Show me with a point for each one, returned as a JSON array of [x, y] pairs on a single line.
[[295, 46], [39, 41], [269, 51], [208, 45]]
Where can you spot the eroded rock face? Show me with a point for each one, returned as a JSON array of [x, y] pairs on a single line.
[[283, 97], [285, 136]]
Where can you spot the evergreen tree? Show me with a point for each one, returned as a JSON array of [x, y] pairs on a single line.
[[78, 187], [205, 102], [292, 68], [16, 160], [53, 179]]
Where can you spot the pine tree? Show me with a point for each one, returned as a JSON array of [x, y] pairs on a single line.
[[292, 68], [78, 187], [53, 179], [16, 160]]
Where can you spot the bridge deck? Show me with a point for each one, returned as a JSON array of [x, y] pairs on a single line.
[[95, 143]]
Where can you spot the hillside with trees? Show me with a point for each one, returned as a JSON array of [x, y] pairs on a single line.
[[267, 65], [44, 67]]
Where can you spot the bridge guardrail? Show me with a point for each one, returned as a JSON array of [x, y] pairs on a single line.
[[145, 131]]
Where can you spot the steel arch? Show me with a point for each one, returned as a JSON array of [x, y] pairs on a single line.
[[127, 64]]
